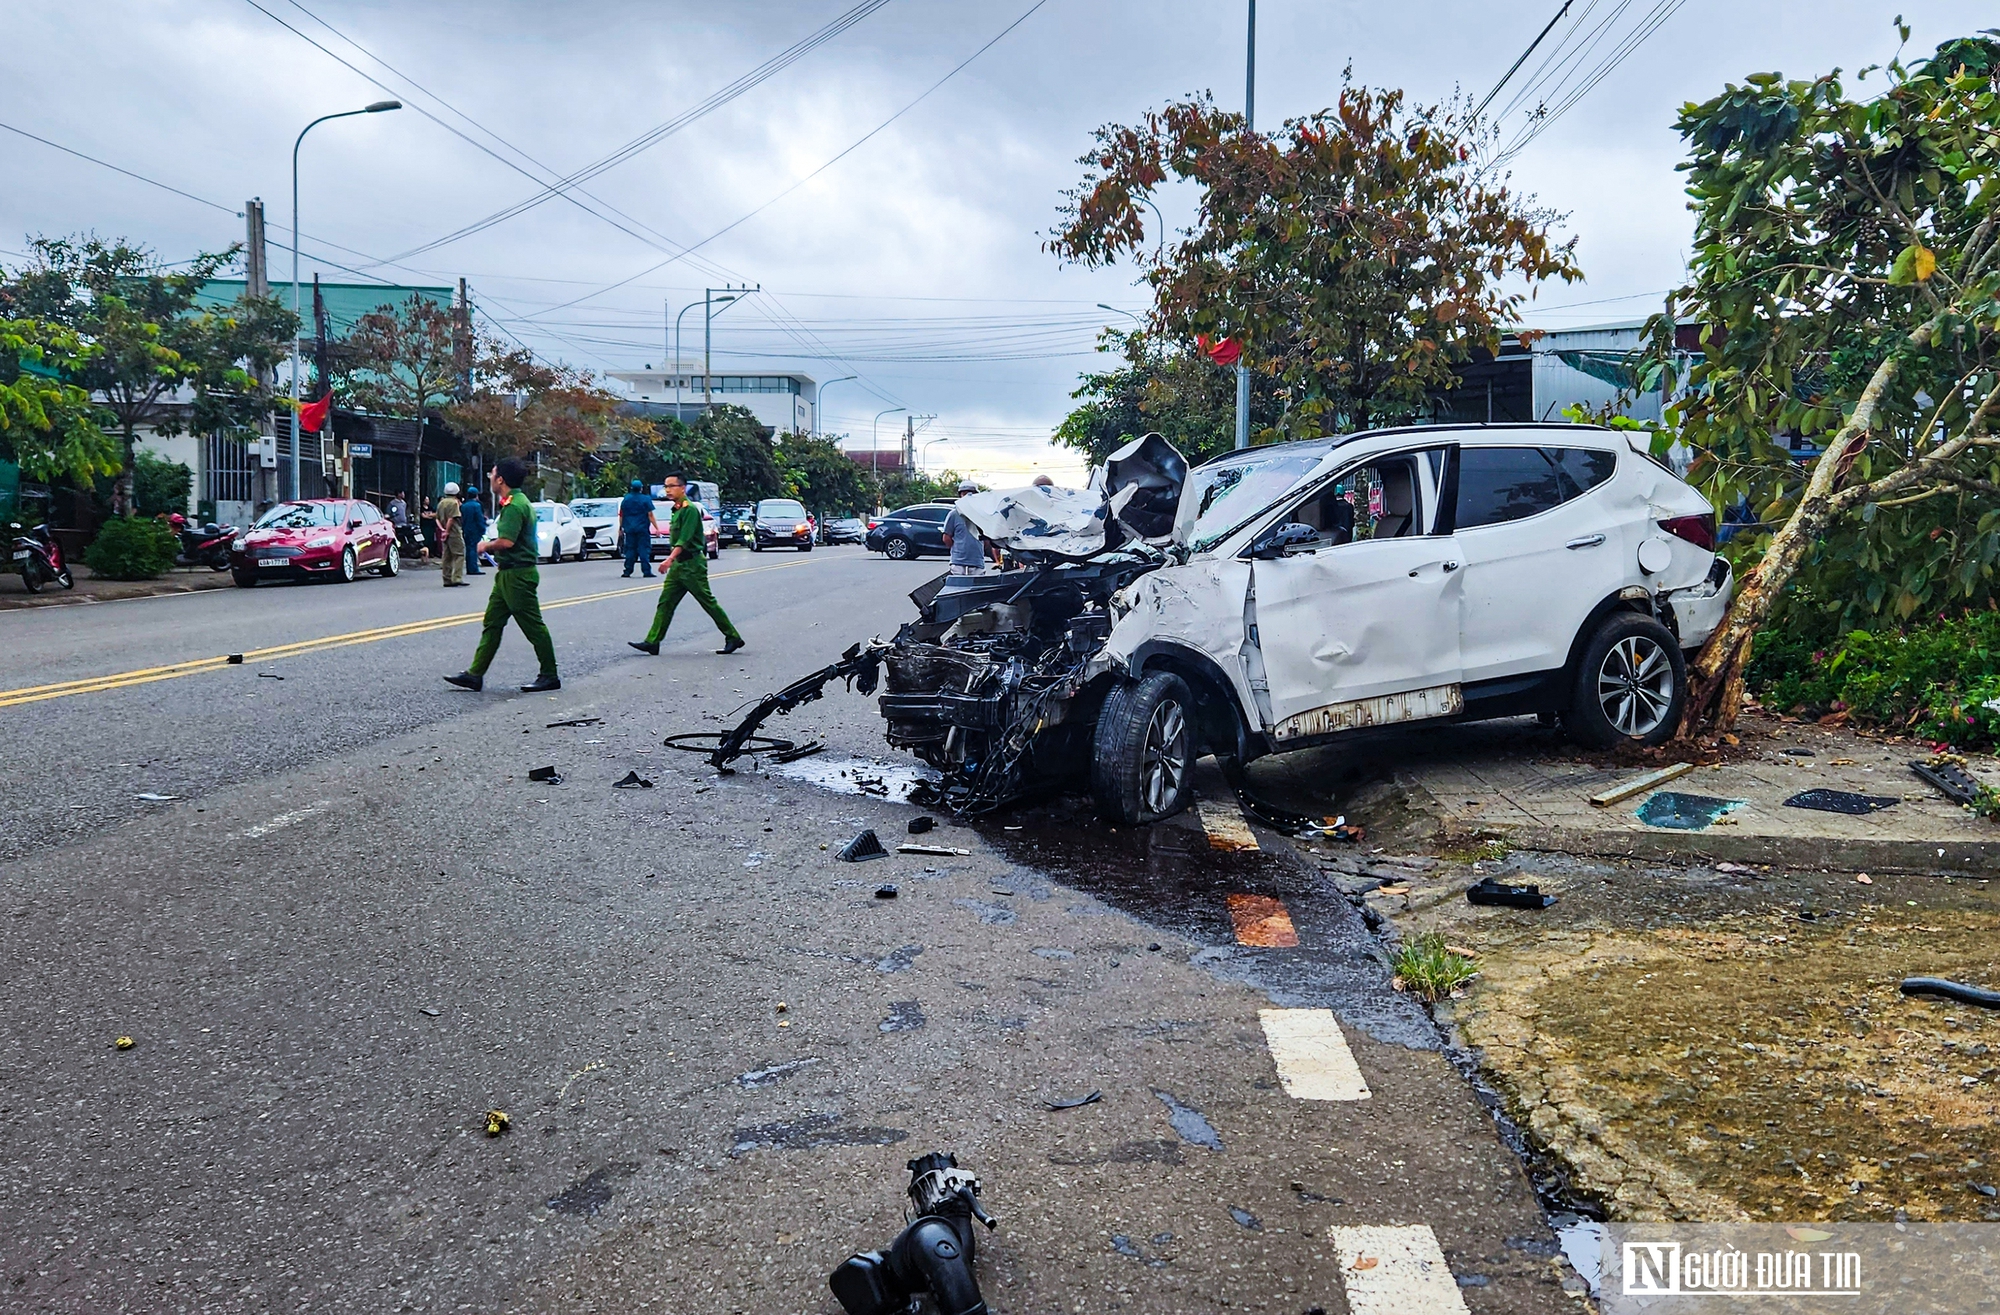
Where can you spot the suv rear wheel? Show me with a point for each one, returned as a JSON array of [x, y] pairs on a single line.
[[1631, 685], [1145, 749]]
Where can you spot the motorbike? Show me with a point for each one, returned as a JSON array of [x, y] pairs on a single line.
[[206, 545], [37, 558]]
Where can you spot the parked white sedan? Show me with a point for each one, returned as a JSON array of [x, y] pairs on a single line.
[[558, 532]]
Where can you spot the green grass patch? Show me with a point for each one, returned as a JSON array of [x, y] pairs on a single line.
[[1430, 969]]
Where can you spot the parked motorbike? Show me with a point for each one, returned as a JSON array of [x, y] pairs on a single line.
[[37, 558], [206, 545]]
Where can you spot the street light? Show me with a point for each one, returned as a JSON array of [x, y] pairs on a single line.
[[875, 437], [375, 108], [819, 400], [925, 462], [1136, 319]]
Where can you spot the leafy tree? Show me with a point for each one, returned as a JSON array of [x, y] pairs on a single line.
[[745, 464], [48, 426], [401, 360], [147, 339], [902, 489], [1172, 390], [160, 486], [1355, 255], [822, 476], [1845, 271]]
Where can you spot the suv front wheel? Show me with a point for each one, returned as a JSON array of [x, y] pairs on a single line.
[[1145, 749], [1631, 685]]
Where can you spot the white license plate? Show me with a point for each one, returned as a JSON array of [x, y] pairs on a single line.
[[275, 561], [23, 553]]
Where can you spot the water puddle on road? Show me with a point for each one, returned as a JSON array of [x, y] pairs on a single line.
[[882, 779]]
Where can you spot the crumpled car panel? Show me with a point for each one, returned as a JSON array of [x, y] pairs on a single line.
[[1065, 522]]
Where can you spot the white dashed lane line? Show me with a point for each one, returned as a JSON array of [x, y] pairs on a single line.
[[1395, 1270], [1313, 1060], [1227, 831]]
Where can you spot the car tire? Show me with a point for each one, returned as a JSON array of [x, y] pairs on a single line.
[[756, 546], [1145, 748], [805, 547], [392, 565], [350, 566], [1631, 684], [245, 579], [898, 549]]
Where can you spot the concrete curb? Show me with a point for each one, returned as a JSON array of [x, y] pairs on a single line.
[[1920, 857], [118, 591]]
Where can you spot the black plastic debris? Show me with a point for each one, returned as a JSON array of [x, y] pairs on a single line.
[[797, 751], [546, 774], [933, 1257], [1244, 1219], [1950, 780], [1075, 1102], [887, 890], [578, 721], [1797, 753], [1841, 801], [919, 825], [632, 781], [862, 848], [269, 675], [924, 794], [234, 659], [1950, 990], [1501, 895]]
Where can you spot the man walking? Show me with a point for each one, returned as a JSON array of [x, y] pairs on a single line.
[[516, 584], [635, 527], [687, 574], [968, 550], [472, 518], [451, 539]]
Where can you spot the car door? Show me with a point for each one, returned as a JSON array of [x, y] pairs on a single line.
[[1543, 546], [360, 536], [1359, 624], [929, 525]]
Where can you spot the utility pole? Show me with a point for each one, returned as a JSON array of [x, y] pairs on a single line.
[[909, 444], [1249, 126], [257, 283], [461, 343]]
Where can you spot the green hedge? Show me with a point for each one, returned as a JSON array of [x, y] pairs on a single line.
[[132, 548], [1940, 681]]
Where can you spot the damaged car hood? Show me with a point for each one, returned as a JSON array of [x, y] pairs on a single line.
[[1136, 498]]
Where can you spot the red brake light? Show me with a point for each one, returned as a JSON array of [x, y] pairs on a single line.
[[1697, 530]]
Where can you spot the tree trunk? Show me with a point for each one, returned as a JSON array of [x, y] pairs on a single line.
[[121, 488], [1715, 677]]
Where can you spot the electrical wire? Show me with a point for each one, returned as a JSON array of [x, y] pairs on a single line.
[[921, 97], [714, 101]]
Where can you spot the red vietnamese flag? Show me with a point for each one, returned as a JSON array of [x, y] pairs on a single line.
[[1223, 351], [312, 416]]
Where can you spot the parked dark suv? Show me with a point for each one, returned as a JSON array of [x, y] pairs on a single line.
[[733, 525], [910, 531]]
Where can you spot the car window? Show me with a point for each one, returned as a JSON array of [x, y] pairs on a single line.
[[1221, 497], [296, 516], [936, 514], [1501, 484], [781, 507], [1583, 468], [545, 514], [369, 515], [1378, 500], [591, 508]]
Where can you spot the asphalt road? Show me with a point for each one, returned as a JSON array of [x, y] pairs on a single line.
[[357, 927]]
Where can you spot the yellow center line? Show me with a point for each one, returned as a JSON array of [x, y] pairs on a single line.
[[194, 666]]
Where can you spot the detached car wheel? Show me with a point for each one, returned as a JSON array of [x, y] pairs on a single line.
[[1631, 685], [1145, 749], [897, 549]]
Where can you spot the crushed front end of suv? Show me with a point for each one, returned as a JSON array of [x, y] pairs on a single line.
[[1277, 598]]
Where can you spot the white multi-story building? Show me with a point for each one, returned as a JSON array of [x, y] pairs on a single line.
[[784, 402]]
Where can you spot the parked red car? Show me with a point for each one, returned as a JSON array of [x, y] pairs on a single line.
[[332, 538]]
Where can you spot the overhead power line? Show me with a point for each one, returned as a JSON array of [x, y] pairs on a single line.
[[1515, 66], [921, 97], [715, 101]]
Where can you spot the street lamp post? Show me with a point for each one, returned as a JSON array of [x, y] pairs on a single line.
[[819, 401], [1249, 125], [925, 462], [375, 108], [677, 358], [875, 436]]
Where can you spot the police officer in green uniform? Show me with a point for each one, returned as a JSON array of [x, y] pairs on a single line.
[[516, 584], [687, 574]]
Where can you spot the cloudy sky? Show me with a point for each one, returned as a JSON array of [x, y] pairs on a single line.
[[914, 259]]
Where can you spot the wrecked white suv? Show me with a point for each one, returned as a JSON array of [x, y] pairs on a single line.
[[1280, 596]]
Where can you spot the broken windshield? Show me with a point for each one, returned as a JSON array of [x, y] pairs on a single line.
[[1223, 495]]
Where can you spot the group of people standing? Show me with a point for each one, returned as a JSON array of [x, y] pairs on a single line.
[[461, 523], [517, 578]]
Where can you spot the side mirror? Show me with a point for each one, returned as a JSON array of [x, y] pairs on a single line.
[[354, 525], [1281, 539]]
